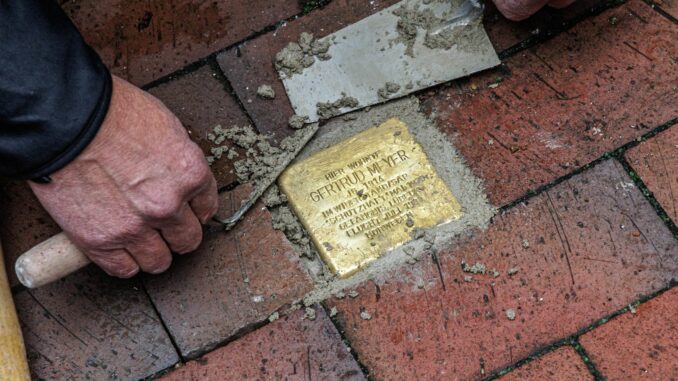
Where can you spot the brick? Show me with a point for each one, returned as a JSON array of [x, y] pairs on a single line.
[[291, 348], [142, 41], [24, 223], [565, 102], [234, 281], [594, 244], [640, 346], [92, 327], [656, 162], [563, 364], [201, 102]]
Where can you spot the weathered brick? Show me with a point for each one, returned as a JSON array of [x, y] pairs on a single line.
[[656, 162], [563, 364], [583, 249], [640, 345], [142, 41], [291, 348], [24, 223], [234, 281], [92, 327], [565, 102], [201, 102]]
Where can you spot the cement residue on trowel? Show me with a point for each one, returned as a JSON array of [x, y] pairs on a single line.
[[266, 92], [414, 19], [297, 56], [327, 110], [450, 167], [262, 160], [389, 89]]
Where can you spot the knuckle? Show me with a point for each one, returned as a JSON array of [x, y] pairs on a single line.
[[165, 208], [191, 243]]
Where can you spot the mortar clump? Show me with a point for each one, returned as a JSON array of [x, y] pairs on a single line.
[[388, 90], [437, 35], [327, 110], [266, 92], [297, 121], [297, 56], [284, 220], [478, 268]]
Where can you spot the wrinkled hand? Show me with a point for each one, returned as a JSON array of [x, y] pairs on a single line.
[[517, 10], [140, 189]]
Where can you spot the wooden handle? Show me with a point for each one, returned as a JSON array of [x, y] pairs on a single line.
[[49, 261], [13, 364]]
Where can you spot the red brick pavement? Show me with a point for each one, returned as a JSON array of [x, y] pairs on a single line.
[[563, 364], [566, 102], [292, 348], [656, 162], [638, 346], [582, 250], [92, 327], [233, 282], [142, 41]]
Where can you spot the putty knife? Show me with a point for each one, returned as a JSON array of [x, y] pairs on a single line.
[[368, 55]]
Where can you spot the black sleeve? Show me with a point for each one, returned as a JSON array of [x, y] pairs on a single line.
[[54, 89]]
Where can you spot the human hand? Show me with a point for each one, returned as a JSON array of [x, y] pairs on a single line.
[[518, 10], [140, 189]]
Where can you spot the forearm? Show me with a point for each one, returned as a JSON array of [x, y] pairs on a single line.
[[54, 89]]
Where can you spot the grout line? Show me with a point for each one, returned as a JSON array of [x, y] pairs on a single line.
[[226, 83], [615, 153], [564, 26], [658, 8], [649, 196], [347, 342], [573, 339], [162, 322], [587, 360]]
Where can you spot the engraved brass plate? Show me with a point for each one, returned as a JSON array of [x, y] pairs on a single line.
[[364, 196]]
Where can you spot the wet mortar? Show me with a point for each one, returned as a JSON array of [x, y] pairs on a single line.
[[448, 164]]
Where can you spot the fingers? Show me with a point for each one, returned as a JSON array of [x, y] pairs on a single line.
[[118, 263], [517, 10], [151, 252], [185, 233], [206, 202], [560, 3]]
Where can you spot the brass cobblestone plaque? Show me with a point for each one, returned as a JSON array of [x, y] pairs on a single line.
[[365, 196]]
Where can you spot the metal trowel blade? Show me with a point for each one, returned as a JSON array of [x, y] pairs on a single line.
[[370, 53]]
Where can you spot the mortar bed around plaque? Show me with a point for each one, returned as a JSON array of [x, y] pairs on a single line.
[[367, 195]]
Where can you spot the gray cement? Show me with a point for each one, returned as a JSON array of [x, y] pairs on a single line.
[[450, 167]]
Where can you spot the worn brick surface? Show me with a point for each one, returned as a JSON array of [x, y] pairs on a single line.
[[92, 327], [583, 249], [640, 346], [201, 102], [291, 348], [656, 162], [23, 223], [566, 101], [563, 364], [251, 64], [233, 281], [142, 41]]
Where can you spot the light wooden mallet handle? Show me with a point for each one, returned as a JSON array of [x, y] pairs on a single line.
[[13, 364], [49, 261]]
